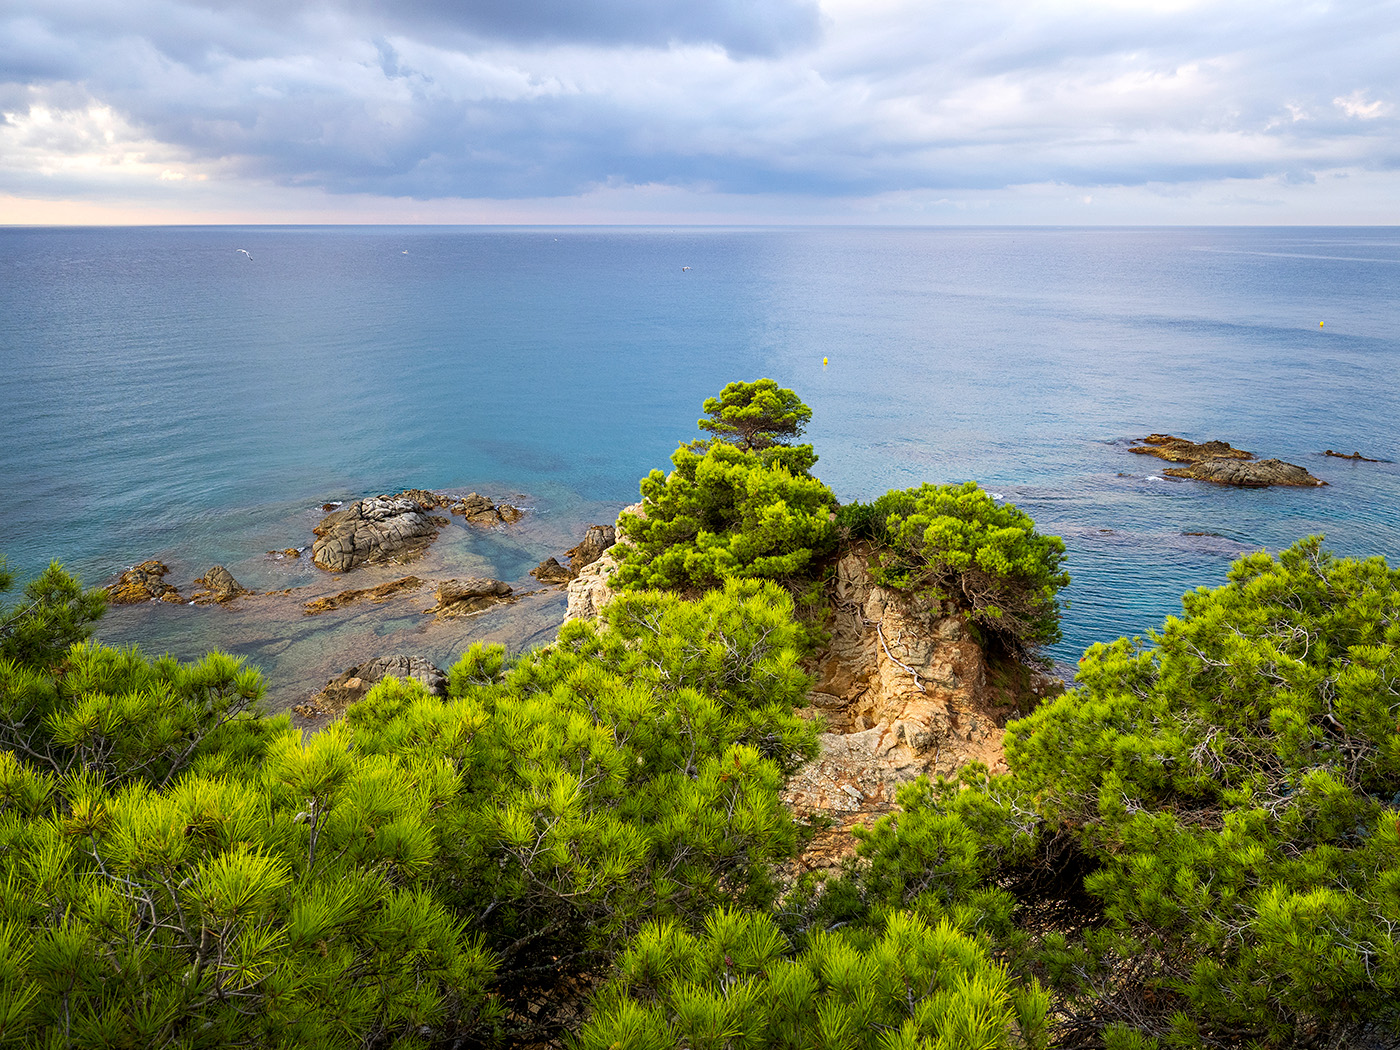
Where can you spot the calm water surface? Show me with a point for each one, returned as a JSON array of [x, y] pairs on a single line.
[[166, 396]]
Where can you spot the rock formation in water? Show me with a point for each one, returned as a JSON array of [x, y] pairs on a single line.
[[220, 588], [480, 510], [1355, 455], [471, 595], [595, 541], [143, 583], [379, 594], [1222, 464], [372, 531]]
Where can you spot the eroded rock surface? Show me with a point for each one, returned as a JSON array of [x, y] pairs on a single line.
[[550, 571], [219, 587], [379, 594], [373, 531], [905, 693], [143, 583], [471, 595], [1220, 463]]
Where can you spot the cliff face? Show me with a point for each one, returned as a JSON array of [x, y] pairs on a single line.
[[905, 692]]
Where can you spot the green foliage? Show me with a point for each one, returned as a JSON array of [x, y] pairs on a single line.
[[54, 613], [955, 544], [280, 908], [727, 514], [1203, 838], [121, 716], [905, 985], [630, 771], [755, 415]]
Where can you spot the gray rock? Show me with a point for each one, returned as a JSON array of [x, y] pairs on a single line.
[[1246, 473], [462, 597], [369, 531]]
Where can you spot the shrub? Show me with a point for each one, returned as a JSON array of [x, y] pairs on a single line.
[[954, 543], [725, 513], [755, 415], [906, 986]]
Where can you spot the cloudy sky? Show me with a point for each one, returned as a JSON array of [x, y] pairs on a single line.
[[750, 111]]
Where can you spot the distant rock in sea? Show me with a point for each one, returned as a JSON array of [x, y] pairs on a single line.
[[143, 583], [1222, 464]]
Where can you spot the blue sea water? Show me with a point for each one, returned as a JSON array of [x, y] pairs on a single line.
[[167, 396]]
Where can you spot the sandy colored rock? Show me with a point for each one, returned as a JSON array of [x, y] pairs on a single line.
[[905, 692], [595, 541], [1220, 463], [382, 593], [591, 588], [219, 587], [471, 595], [143, 583]]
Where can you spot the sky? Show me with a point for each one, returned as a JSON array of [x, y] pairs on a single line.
[[700, 111]]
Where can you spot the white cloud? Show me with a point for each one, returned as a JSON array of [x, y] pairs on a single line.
[[1357, 105]]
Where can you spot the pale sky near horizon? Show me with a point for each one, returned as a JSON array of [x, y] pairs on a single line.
[[686, 111]]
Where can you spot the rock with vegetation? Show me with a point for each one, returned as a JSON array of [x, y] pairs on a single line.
[[1218, 462], [1199, 844], [354, 685]]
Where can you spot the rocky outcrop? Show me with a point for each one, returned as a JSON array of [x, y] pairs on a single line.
[[373, 531], [596, 540], [550, 571], [1248, 474], [480, 510], [220, 588], [591, 589], [343, 690], [905, 693], [1355, 455], [472, 595], [1222, 464], [143, 583], [379, 594]]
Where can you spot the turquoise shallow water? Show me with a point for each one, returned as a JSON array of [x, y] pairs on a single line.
[[166, 396]]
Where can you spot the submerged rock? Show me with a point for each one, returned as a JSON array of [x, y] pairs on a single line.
[[379, 594], [143, 583], [1222, 464], [372, 531]]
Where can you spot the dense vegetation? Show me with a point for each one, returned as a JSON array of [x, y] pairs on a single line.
[[1198, 846]]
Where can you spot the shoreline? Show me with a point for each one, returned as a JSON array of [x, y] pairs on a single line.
[[298, 653]]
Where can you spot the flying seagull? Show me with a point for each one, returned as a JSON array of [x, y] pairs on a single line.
[[245, 252]]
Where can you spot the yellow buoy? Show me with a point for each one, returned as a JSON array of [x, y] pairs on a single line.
[[1321, 323], [823, 362]]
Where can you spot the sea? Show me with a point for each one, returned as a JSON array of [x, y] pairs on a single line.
[[197, 395]]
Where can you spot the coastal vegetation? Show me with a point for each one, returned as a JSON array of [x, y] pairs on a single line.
[[1198, 846]]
